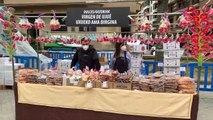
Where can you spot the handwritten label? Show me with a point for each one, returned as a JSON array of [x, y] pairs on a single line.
[[183, 69], [160, 64]]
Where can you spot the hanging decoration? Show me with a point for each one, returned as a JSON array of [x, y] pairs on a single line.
[[182, 22], [39, 23], [54, 23], [145, 24], [24, 23], [18, 37], [164, 25], [29, 39], [45, 39], [9, 27]]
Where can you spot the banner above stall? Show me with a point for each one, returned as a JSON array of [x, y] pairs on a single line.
[[98, 17]]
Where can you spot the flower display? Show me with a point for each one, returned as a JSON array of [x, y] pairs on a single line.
[[9, 27], [18, 37], [199, 43]]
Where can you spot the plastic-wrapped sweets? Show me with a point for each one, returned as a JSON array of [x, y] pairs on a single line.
[[186, 85], [124, 77]]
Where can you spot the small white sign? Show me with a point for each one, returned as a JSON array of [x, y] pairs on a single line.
[[160, 64], [183, 69]]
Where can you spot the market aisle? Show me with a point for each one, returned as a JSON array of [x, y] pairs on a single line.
[[206, 106], [7, 106]]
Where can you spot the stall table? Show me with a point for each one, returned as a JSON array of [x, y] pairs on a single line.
[[43, 102]]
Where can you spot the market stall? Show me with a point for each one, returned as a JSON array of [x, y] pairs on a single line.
[[107, 94], [103, 95], [41, 102]]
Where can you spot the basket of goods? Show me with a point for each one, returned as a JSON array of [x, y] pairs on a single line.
[[105, 79], [123, 81], [75, 78]]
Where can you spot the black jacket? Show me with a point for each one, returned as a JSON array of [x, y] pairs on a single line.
[[87, 58]]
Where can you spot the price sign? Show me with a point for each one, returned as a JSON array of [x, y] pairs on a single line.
[[183, 69], [160, 64]]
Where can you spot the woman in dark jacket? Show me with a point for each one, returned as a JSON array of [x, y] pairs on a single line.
[[121, 60], [87, 56]]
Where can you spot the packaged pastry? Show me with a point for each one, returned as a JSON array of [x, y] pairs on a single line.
[[186, 85]]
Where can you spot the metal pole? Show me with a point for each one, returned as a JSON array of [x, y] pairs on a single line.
[[157, 14], [37, 50], [198, 78], [13, 67], [20, 16]]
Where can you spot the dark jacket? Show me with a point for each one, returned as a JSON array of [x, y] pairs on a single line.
[[87, 58]]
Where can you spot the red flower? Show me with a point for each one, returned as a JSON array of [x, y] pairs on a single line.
[[152, 42]]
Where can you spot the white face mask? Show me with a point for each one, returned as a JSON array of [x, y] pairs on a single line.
[[85, 47], [123, 48]]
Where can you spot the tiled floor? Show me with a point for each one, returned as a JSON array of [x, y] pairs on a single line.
[[7, 106]]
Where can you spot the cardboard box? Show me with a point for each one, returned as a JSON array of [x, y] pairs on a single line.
[[18, 66], [135, 86], [136, 63], [171, 46], [136, 56], [83, 83], [138, 48], [68, 82], [103, 63], [136, 70], [2, 77], [9, 82], [8, 67], [1, 67], [2, 81], [124, 86], [2, 87], [8, 79], [103, 59], [5, 60], [171, 62], [98, 84], [64, 65], [172, 54], [175, 70]]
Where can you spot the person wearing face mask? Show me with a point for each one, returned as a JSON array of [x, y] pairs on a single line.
[[121, 60], [87, 56]]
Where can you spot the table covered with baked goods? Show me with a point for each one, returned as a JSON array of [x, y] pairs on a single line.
[[105, 95], [44, 102]]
